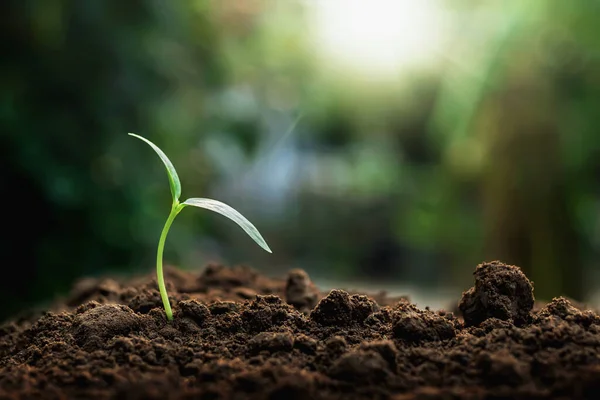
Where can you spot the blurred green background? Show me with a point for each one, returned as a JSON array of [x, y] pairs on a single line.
[[371, 142]]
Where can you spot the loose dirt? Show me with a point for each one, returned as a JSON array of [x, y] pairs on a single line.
[[238, 334]]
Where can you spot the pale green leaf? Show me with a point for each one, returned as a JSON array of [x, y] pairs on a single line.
[[233, 215], [173, 178]]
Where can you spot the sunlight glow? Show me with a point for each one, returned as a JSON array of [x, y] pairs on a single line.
[[377, 36]]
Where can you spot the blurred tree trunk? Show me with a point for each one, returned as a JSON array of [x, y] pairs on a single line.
[[526, 219]]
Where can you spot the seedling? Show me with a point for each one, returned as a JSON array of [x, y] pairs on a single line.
[[176, 208]]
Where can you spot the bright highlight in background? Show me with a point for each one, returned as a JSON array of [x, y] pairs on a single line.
[[377, 36]]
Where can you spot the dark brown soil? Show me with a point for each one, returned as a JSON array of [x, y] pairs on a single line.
[[238, 334]]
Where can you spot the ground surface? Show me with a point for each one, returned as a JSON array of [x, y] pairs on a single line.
[[238, 334]]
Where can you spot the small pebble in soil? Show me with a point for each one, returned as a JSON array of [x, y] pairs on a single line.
[[501, 291]]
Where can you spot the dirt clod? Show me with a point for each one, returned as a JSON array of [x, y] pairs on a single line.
[[146, 301], [102, 323], [271, 342], [340, 308], [385, 348], [361, 366], [194, 310], [300, 292], [414, 325], [501, 291]]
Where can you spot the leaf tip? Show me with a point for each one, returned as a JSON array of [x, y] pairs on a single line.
[[262, 243]]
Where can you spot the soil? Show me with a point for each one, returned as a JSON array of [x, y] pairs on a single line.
[[238, 334]]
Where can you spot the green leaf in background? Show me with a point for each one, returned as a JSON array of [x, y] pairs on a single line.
[[233, 215], [173, 177]]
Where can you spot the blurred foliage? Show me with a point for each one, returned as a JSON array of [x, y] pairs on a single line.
[[76, 77], [489, 152]]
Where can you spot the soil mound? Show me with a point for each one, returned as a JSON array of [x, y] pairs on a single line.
[[239, 334]]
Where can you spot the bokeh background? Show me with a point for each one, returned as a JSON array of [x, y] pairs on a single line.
[[378, 144]]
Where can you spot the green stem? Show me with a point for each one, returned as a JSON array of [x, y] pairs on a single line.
[[175, 209]]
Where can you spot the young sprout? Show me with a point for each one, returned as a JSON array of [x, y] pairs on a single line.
[[176, 208]]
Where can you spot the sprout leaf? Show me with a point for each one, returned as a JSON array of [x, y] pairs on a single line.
[[173, 177], [233, 215]]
